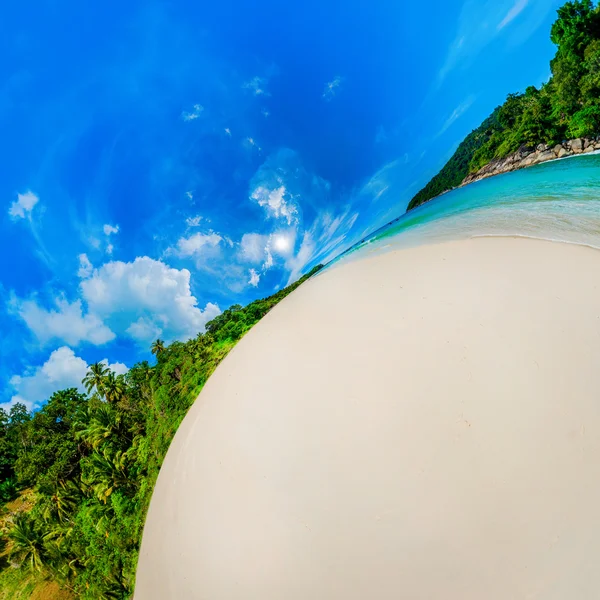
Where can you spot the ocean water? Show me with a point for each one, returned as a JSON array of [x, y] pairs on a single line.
[[558, 201]]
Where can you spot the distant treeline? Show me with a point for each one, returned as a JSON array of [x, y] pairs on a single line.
[[566, 107], [92, 461]]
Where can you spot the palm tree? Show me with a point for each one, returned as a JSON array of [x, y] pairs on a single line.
[[63, 502], [27, 542], [105, 424], [114, 388], [157, 348], [95, 378], [106, 472]]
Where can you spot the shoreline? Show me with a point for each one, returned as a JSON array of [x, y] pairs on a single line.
[[522, 236], [525, 157], [425, 410], [516, 162]]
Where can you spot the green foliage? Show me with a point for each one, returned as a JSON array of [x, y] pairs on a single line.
[[96, 378], [93, 460], [457, 168], [49, 451], [567, 106], [585, 122], [27, 542], [8, 490]]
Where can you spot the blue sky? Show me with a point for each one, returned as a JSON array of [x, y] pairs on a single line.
[[164, 160]]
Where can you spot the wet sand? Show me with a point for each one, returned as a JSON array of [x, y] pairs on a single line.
[[420, 424]]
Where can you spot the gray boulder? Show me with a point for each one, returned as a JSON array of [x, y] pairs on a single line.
[[546, 155]]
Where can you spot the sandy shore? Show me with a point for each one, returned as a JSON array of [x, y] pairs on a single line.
[[422, 424]]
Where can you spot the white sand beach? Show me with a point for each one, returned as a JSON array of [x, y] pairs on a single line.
[[422, 424]]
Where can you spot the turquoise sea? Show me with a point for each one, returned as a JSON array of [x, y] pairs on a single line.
[[558, 201]]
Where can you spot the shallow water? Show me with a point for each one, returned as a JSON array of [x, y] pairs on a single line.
[[558, 201]]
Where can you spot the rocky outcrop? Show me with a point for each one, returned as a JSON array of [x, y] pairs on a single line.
[[526, 157]]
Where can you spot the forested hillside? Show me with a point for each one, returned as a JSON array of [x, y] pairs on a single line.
[[457, 168], [566, 107], [88, 463]]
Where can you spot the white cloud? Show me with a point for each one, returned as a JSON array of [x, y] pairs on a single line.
[[254, 278], [253, 247], [108, 229], [23, 205], [144, 299], [256, 248], [513, 13], [268, 260], [265, 113], [332, 88], [118, 367], [322, 242], [257, 85], [193, 114], [302, 258], [197, 243], [144, 329], [382, 180], [276, 202], [481, 21], [66, 322], [85, 266], [190, 195], [278, 186], [251, 145], [193, 221], [62, 370], [460, 110], [228, 131]]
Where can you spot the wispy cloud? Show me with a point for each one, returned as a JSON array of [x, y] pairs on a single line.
[[193, 221], [254, 278], [251, 144], [253, 247], [257, 85], [460, 110], [23, 205], [481, 21], [513, 13], [193, 114], [85, 267], [110, 229], [332, 88], [197, 243], [276, 202]]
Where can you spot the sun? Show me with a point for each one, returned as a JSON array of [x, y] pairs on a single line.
[[281, 243]]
